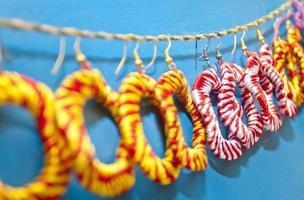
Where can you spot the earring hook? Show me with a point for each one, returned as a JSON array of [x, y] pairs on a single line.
[[218, 54], [244, 47], [260, 36], [153, 57], [60, 56], [168, 58], [205, 55], [123, 58], [138, 62], [234, 44], [79, 56]]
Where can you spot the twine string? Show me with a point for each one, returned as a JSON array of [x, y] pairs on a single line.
[[74, 32]]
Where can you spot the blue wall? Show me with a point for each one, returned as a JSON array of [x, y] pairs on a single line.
[[273, 169]]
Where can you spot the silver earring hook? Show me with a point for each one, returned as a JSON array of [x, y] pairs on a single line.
[[234, 44], [218, 54], [123, 58], [205, 55], [60, 57], [153, 57]]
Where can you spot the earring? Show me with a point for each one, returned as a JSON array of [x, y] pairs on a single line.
[[102, 179], [51, 183], [271, 121], [228, 106], [280, 60], [282, 56], [293, 39], [228, 149], [287, 107], [174, 82], [247, 134], [206, 82], [134, 87]]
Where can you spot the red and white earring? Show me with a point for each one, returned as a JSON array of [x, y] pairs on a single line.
[[286, 105], [206, 82], [227, 107], [251, 79]]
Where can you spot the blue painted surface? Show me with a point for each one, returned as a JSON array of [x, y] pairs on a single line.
[[273, 169]]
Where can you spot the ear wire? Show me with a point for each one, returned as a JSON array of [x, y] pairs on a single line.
[[260, 36], [123, 58], [153, 57], [168, 58], [244, 47], [218, 54], [79, 56], [60, 56], [234, 44]]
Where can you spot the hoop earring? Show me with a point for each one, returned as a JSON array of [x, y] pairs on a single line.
[[174, 82], [297, 51], [286, 105], [207, 81], [249, 134], [134, 87], [38, 98], [270, 119], [99, 178], [280, 58]]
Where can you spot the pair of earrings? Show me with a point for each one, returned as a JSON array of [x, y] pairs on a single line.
[[229, 110], [118, 177], [289, 53], [256, 83]]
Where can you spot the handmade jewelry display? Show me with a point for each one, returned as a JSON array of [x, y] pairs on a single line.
[[248, 100]]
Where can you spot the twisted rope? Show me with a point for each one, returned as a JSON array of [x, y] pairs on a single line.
[[71, 31]]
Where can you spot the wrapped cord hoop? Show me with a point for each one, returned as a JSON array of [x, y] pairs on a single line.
[[247, 134], [38, 98], [165, 170], [99, 178], [286, 105], [174, 82], [207, 81]]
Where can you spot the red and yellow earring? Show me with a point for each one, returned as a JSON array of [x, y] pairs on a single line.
[[294, 38], [174, 82], [134, 88], [52, 181], [75, 90], [283, 58]]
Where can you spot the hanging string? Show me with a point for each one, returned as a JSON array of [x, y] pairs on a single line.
[[71, 31]]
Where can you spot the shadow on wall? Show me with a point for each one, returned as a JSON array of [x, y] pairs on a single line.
[[270, 141]]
